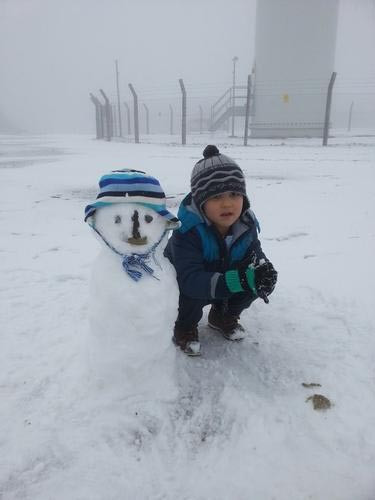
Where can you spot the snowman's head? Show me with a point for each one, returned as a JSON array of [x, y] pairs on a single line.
[[130, 213], [130, 227]]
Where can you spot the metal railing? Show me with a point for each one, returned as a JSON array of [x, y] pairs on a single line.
[[229, 100]]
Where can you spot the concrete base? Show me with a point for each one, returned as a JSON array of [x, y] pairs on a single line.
[[284, 131]]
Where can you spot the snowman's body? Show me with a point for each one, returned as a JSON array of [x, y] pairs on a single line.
[[132, 321]]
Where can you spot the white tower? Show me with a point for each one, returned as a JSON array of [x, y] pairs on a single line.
[[294, 60]]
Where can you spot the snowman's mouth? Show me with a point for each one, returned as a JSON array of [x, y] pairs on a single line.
[[137, 241]]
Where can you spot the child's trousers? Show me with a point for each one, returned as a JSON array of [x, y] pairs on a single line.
[[190, 310]]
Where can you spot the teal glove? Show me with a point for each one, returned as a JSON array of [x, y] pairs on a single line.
[[241, 281], [260, 280]]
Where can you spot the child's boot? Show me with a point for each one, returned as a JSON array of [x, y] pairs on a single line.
[[187, 340], [225, 323]]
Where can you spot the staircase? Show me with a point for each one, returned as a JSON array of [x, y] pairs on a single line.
[[231, 103]]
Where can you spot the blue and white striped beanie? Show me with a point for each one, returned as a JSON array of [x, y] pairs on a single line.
[[131, 186], [216, 174]]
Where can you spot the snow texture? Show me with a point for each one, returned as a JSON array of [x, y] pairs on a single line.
[[233, 424]]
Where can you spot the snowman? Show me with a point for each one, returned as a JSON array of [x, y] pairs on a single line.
[[134, 294]]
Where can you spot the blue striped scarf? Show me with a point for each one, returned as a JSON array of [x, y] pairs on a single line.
[[135, 264]]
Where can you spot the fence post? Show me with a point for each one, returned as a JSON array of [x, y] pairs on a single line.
[[147, 119], [114, 120], [183, 123], [128, 117], [118, 102], [328, 109], [108, 115], [98, 121], [235, 59], [229, 120], [350, 117], [170, 119], [200, 119], [102, 119], [247, 110], [136, 121]]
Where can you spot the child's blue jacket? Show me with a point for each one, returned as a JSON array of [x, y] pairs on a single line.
[[201, 256]]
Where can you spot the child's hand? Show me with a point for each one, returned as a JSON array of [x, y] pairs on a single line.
[[265, 279], [260, 279]]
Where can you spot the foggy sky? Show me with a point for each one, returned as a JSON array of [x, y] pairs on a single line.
[[53, 53]]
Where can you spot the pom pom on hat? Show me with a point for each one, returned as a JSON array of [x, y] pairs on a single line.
[[209, 151]]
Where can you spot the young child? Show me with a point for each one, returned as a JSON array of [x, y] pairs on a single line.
[[217, 253]]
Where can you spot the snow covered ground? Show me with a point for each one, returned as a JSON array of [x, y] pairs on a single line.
[[240, 427]]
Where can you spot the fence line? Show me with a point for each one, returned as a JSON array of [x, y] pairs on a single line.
[[162, 110]]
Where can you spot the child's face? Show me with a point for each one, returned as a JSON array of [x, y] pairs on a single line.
[[223, 210]]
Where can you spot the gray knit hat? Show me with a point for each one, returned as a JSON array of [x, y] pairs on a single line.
[[216, 174]]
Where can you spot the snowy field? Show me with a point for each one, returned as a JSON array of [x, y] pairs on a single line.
[[240, 427]]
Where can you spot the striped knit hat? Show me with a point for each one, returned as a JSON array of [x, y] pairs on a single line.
[[131, 186], [216, 174]]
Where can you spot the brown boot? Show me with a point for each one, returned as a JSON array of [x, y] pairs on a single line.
[[226, 324], [187, 340]]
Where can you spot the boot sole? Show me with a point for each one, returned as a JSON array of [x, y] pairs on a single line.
[[224, 334], [192, 354]]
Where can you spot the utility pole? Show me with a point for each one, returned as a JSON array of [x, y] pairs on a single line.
[[328, 109], [183, 124], [247, 110], [136, 121], [118, 102], [235, 59]]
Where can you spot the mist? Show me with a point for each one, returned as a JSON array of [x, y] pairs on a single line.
[[53, 54]]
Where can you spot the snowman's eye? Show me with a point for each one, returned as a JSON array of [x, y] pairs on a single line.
[[149, 218], [117, 219]]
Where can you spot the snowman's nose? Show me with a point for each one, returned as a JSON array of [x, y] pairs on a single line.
[[135, 228], [136, 238]]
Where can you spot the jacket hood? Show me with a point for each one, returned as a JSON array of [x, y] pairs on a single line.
[[189, 214]]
